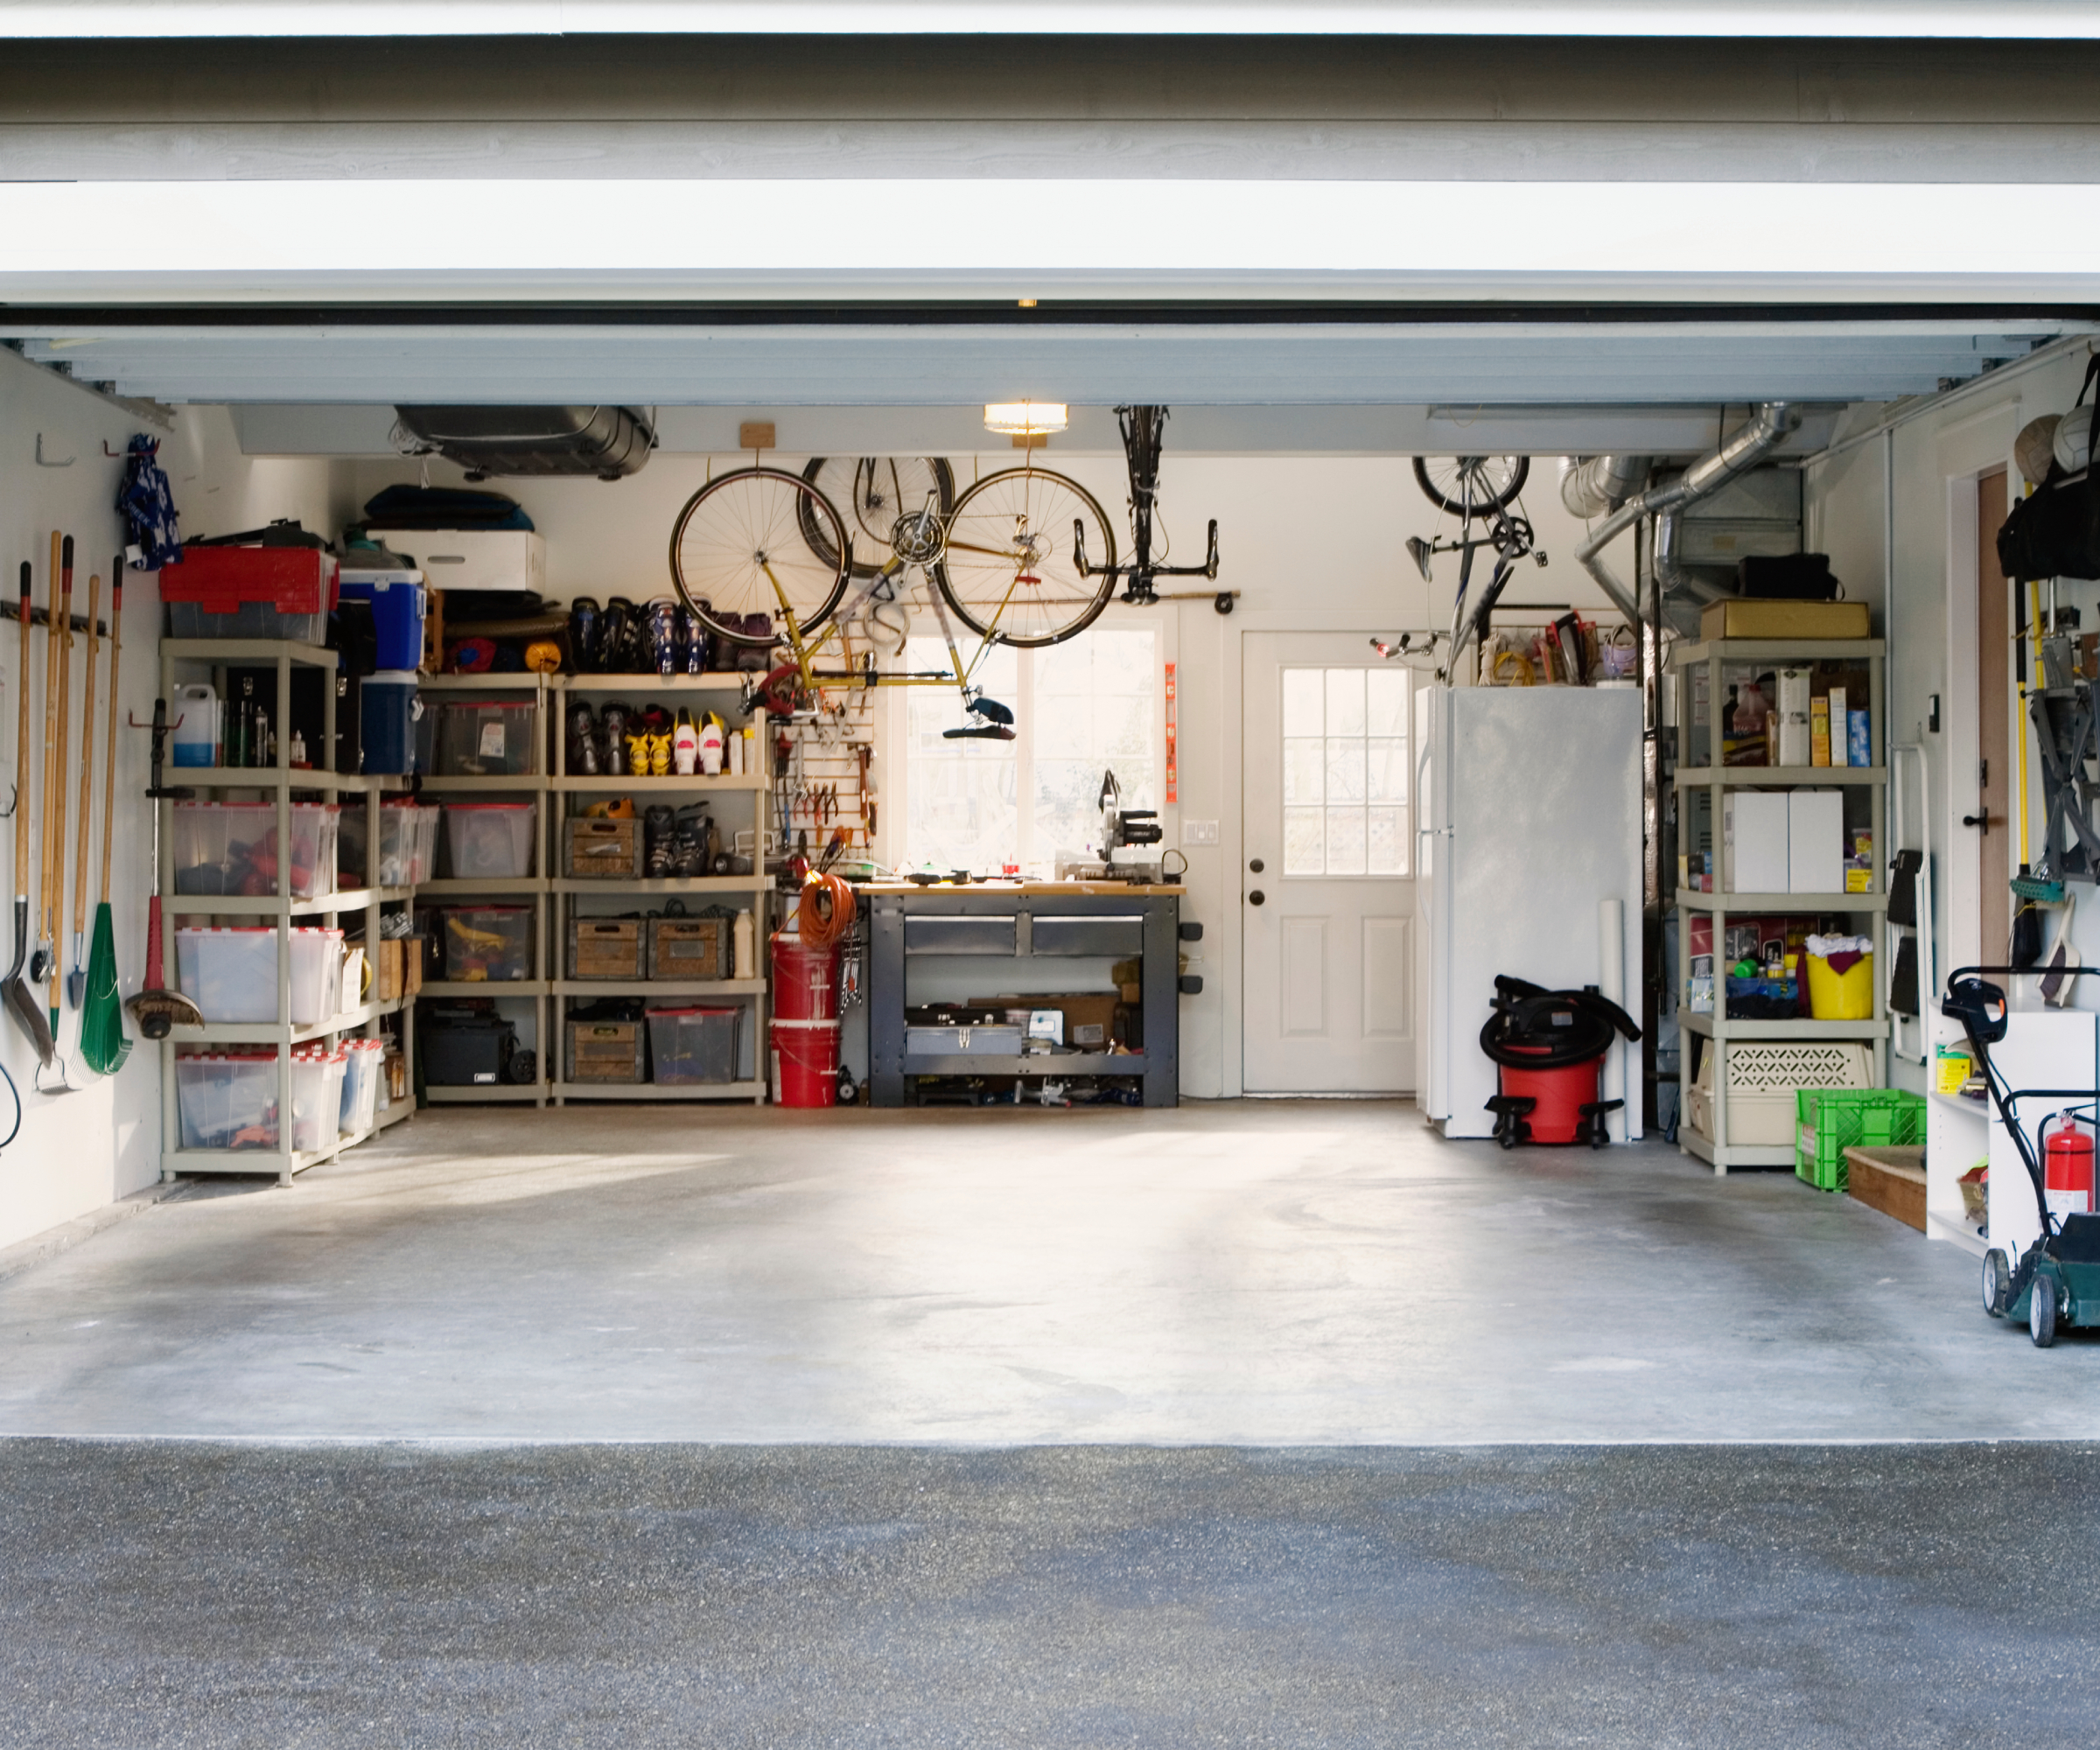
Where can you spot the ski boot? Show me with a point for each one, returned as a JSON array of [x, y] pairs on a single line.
[[658, 828], [583, 635], [613, 720], [688, 847], [582, 741], [660, 625]]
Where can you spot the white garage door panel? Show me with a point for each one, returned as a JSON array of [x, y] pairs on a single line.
[[1089, 365]]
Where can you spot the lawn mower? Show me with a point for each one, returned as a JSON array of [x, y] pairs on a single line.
[[2056, 1283]]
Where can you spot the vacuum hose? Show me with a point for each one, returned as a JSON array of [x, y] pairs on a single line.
[[1534, 1028]]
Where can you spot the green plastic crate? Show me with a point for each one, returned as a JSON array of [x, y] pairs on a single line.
[[1828, 1121]]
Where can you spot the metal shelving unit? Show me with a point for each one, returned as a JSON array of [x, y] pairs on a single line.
[[533, 889], [282, 780], [1715, 656], [568, 891]]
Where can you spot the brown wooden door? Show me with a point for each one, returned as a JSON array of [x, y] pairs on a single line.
[[1994, 630]]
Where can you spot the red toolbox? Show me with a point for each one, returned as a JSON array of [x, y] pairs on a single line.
[[250, 592]]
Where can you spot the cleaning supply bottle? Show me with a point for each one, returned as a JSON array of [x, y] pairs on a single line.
[[685, 744], [745, 947]]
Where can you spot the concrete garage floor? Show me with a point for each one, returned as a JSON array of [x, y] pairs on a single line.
[[1253, 1273], [1244, 1424]]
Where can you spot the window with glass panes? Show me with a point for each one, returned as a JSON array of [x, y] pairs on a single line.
[[1345, 771], [1089, 705]]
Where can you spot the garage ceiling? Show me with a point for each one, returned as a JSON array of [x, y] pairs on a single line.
[[1187, 362]]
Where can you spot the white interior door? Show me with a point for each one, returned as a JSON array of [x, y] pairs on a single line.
[[1328, 899]]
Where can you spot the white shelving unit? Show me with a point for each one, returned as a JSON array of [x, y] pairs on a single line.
[[279, 782], [744, 791], [1715, 657]]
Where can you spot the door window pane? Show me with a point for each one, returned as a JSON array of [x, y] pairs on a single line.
[[1345, 771]]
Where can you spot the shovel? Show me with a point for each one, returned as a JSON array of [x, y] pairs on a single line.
[[29, 1016], [76, 980], [61, 629], [155, 1010]]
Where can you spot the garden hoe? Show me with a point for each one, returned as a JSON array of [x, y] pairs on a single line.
[[155, 1010], [28, 1014]]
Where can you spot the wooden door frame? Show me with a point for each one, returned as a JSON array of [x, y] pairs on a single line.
[[1980, 444]]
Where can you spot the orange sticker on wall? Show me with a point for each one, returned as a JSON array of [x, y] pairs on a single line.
[[1173, 769]]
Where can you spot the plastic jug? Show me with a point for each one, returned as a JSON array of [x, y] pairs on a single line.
[[194, 710]]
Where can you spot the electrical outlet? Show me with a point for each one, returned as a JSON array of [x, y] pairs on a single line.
[[1198, 832]]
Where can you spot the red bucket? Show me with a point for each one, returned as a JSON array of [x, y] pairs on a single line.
[[805, 1061], [805, 983]]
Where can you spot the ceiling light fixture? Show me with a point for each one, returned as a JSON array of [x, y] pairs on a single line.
[[1025, 418]]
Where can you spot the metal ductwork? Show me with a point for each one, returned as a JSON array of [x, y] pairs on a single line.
[[1762, 434], [1596, 486], [609, 442]]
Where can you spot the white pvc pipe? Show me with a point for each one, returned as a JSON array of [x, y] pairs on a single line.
[[1611, 984]]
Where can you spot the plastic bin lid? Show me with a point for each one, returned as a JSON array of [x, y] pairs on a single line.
[[391, 677], [468, 808]]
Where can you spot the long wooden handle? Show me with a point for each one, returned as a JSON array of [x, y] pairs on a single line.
[[116, 649], [87, 840], [22, 790], [51, 735], [64, 623]]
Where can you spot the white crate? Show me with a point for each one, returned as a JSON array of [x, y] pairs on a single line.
[[1763, 1077], [473, 558]]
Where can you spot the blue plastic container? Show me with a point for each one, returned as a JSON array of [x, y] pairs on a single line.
[[388, 709], [398, 602]]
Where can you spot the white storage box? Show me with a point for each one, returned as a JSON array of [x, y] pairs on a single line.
[[473, 558], [490, 841], [362, 1071], [1753, 842], [232, 974], [227, 1100], [1816, 842], [1762, 1080], [316, 1096]]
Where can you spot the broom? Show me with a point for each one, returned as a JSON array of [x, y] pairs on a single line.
[[102, 1042]]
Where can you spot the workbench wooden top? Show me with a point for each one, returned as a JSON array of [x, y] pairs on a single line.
[[1036, 890]]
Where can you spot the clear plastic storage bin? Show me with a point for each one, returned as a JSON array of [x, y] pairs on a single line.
[[363, 1068], [227, 1100], [232, 974], [489, 944], [490, 841], [317, 1096], [231, 848], [485, 737], [698, 1045]]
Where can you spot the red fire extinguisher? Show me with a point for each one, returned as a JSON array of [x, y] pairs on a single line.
[[2068, 1164]]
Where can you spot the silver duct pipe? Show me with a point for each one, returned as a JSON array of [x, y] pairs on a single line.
[[1596, 486], [1764, 433]]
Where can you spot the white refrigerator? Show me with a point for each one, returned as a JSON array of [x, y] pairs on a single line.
[[1528, 854]]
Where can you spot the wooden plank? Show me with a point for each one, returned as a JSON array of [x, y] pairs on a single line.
[[1890, 1179]]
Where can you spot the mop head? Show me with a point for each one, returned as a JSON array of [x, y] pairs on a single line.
[[103, 1044]]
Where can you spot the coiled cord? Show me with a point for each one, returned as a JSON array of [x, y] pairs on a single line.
[[825, 910]]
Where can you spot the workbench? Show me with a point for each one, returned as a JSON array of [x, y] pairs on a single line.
[[1010, 923]]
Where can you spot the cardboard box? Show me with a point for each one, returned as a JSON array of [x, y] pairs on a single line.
[[386, 972], [1089, 1017], [1819, 731], [1785, 620], [1814, 840], [1753, 842]]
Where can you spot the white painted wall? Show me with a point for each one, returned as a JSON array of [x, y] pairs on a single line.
[[79, 1151], [1933, 459], [1310, 543]]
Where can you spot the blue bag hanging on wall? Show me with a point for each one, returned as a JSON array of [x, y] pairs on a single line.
[[149, 508]]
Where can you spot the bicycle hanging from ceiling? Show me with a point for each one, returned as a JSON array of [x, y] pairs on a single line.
[[1475, 489]]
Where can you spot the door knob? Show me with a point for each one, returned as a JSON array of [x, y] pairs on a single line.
[[1256, 864], [1256, 897]]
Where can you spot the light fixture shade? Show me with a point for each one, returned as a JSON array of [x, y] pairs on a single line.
[[1025, 418]]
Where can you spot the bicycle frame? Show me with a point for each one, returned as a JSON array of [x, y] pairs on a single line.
[[1144, 429]]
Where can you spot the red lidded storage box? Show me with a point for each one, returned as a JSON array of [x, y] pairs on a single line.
[[250, 592]]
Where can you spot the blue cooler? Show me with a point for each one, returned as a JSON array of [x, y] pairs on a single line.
[[388, 709], [397, 600]]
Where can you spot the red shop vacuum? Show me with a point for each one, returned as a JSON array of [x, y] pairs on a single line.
[[1549, 1047]]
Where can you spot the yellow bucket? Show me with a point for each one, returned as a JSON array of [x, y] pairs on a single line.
[[1848, 996]]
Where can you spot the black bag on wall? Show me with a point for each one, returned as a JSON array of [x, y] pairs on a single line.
[[2056, 532]]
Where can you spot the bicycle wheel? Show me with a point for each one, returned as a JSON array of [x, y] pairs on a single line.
[[1466, 485], [1009, 572], [873, 492], [739, 534]]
